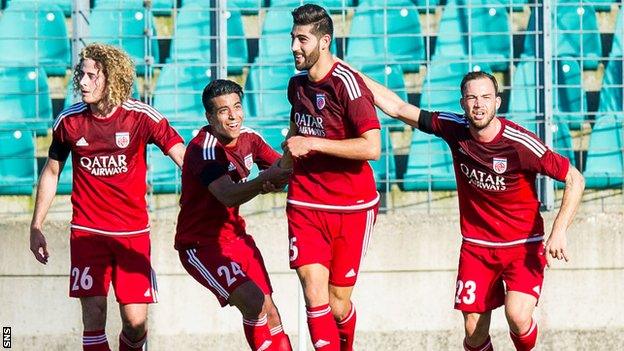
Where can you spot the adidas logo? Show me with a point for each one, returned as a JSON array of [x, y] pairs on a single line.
[[231, 167], [320, 343], [536, 289], [147, 293], [350, 273], [82, 142], [265, 345]]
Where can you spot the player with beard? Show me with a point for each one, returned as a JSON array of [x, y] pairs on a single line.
[[332, 198], [496, 162]]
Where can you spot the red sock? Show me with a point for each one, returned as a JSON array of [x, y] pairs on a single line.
[[94, 341], [125, 344], [257, 333], [346, 330], [486, 346], [323, 329], [280, 341], [526, 341]]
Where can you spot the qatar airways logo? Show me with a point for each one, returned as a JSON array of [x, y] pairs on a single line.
[[309, 125], [483, 180], [105, 165]]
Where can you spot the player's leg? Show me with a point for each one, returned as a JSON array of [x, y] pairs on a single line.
[[479, 290], [524, 276], [519, 309], [280, 339], [249, 300], [477, 331], [134, 283], [94, 322], [351, 235], [310, 254], [90, 277], [134, 326], [314, 280]]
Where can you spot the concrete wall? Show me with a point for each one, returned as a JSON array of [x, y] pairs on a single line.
[[404, 296]]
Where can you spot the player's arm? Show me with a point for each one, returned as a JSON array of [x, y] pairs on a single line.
[[556, 245], [176, 152], [365, 147], [287, 162], [233, 194], [46, 190]]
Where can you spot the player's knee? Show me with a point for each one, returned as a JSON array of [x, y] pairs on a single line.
[[135, 326], [519, 321], [475, 331], [249, 299], [273, 315], [340, 307]]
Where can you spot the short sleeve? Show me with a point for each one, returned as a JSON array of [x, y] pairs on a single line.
[[264, 154], [545, 161], [360, 109], [59, 148], [163, 134]]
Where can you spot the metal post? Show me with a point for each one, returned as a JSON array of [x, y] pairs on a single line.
[[547, 185], [222, 39], [302, 324], [80, 31]]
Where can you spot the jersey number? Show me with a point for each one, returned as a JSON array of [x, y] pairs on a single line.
[[229, 277], [469, 288], [294, 252], [84, 279]]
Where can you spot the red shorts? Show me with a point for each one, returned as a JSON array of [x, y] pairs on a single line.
[[97, 259], [486, 273], [336, 240], [224, 267]]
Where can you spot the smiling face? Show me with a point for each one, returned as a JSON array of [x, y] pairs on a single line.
[[92, 82], [305, 46], [480, 102], [226, 117]]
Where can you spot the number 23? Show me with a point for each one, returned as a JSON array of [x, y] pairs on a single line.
[[469, 288]]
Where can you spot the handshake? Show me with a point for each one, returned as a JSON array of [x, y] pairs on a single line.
[[275, 178]]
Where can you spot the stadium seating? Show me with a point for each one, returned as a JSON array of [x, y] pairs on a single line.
[[481, 21], [389, 35], [274, 44], [611, 94], [33, 34], [568, 21], [392, 77], [617, 50], [17, 161], [65, 182], [178, 91], [274, 134], [25, 98], [64, 5], [330, 5], [126, 28], [429, 164], [599, 5], [159, 7], [385, 168], [192, 42], [266, 100], [524, 111], [164, 176], [605, 164]]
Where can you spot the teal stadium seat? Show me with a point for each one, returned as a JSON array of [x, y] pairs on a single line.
[[605, 164], [385, 168], [266, 99], [34, 34], [426, 6], [159, 7], [274, 134], [274, 45], [17, 161], [389, 35], [25, 98], [489, 39], [329, 5], [617, 50], [570, 98], [516, 5], [440, 91], [124, 27], [64, 5], [612, 91], [192, 42], [599, 5], [178, 91], [523, 107], [66, 179], [569, 20], [392, 77]]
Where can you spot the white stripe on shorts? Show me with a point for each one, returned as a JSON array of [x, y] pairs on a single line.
[[193, 260]]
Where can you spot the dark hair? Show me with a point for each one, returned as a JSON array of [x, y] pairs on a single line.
[[315, 15], [478, 75], [219, 87]]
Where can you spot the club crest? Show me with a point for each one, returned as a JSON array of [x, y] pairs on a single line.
[[499, 165], [249, 161], [122, 139], [320, 101]]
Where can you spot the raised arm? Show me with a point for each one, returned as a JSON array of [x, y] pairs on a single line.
[[365, 147], [46, 190], [391, 103], [556, 245]]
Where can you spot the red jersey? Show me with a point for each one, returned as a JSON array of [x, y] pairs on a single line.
[[108, 159], [337, 107], [498, 201], [204, 220]]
